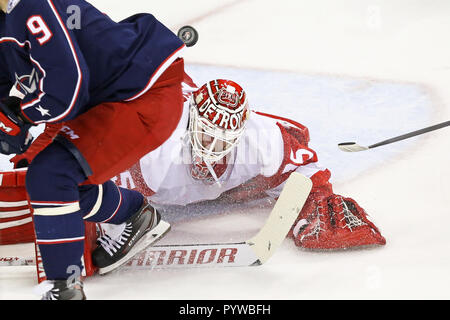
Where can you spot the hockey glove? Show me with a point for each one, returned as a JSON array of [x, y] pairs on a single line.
[[330, 221], [336, 223], [14, 135], [39, 144]]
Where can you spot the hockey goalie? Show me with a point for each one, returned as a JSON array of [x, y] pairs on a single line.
[[222, 150]]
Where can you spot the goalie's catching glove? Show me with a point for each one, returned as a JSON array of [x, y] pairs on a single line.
[[330, 221], [14, 135]]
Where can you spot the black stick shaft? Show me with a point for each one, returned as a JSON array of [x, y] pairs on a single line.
[[411, 134]]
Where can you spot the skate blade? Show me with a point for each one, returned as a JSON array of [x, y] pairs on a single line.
[[148, 239]]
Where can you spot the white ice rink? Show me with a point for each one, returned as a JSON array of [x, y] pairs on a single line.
[[350, 70]]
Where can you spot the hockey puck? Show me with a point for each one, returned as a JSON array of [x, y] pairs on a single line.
[[188, 35]]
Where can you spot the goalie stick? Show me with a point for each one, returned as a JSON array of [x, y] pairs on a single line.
[[253, 252], [354, 147]]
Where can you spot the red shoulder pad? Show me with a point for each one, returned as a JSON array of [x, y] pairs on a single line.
[[294, 128]]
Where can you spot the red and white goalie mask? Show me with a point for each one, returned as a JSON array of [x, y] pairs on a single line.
[[218, 113]]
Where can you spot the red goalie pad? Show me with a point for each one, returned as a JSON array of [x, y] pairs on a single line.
[[16, 224], [330, 221]]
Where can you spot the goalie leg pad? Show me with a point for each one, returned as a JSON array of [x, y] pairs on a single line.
[[16, 224]]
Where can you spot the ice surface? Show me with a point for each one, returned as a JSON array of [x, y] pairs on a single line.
[[350, 70]]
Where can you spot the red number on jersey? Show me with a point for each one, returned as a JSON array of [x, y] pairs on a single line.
[[38, 27]]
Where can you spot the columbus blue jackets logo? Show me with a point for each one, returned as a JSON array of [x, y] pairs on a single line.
[[27, 84]]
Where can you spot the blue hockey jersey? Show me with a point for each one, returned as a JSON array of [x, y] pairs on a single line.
[[63, 67]]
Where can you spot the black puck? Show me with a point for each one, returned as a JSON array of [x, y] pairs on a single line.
[[188, 35]]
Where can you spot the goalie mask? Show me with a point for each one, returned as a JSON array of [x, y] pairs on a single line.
[[218, 113]]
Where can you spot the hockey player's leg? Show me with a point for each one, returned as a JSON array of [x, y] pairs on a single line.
[[60, 208], [52, 184], [110, 204], [128, 131], [110, 138]]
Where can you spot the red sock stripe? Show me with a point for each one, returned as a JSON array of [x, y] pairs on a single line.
[[118, 207]]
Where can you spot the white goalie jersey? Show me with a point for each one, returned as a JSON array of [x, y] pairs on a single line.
[[269, 148]]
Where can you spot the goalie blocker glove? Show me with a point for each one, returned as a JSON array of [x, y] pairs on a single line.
[[14, 135]]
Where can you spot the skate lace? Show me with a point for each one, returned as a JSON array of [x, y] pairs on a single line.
[[47, 290], [110, 245], [316, 225], [351, 221], [51, 295]]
